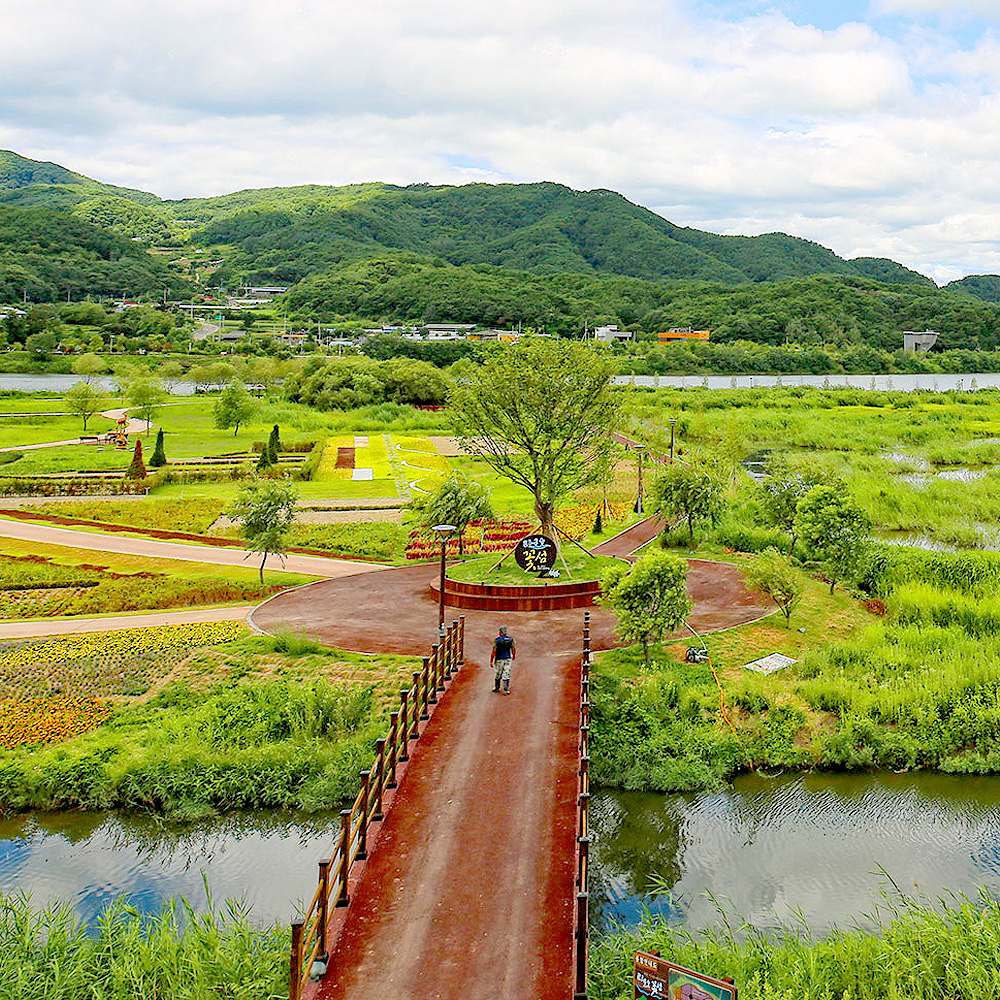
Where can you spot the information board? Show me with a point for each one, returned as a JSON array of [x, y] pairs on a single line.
[[535, 553], [657, 979]]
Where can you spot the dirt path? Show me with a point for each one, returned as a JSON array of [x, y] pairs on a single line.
[[310, 565], [110, 623], [469, 892]]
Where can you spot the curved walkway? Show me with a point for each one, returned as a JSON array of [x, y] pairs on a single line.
[[155, 549], [469, 891], [39, 627]]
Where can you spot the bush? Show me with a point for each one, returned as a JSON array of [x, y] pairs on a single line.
[[733, 533]]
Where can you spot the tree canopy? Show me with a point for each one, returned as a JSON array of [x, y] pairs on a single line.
[[264, 510], [536, 412], [649, 599]]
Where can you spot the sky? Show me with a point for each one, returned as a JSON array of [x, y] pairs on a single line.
[[869, 126]]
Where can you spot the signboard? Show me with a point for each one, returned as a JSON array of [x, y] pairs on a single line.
[[657, 979], [535, 553]]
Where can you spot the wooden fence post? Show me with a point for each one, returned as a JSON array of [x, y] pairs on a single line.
[[461, 642], [415, 706], [425, 672], [379, 779], [582, 899], [404, 722], [345, 856], [393, 748], [324, 902], [362, 854], [430, 682], [295, 961]]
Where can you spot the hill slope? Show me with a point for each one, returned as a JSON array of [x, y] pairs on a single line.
[[280, 235]]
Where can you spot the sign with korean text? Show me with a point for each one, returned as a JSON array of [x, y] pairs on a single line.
[[535, 553], [657, 979]]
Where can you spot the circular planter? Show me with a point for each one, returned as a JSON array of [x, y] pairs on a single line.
[[491, 597]]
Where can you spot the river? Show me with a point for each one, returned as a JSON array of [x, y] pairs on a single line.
[[819, 848], [963, 382], [61, 383]]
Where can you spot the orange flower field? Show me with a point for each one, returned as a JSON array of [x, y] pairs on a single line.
[[27, 722]]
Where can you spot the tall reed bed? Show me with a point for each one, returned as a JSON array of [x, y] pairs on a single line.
[[922, 953], [47, 954]]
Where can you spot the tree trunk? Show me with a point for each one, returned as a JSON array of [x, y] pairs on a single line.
[[264, 560], [545, 512]]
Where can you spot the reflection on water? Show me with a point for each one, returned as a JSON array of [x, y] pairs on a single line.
[[61, 383], [266, 859], [820, 849]]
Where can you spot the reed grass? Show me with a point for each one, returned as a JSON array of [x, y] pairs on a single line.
[[922, 952], [46, 953]]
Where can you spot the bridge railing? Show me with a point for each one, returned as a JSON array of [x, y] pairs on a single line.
[[581, 929], [310, 944]]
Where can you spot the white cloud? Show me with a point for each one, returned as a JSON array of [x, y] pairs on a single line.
[[867, 143]]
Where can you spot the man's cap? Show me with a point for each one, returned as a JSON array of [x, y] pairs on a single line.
[[503, 629]]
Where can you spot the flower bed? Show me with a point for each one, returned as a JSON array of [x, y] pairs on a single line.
[[121, 662], [479, 536], [47, 720]]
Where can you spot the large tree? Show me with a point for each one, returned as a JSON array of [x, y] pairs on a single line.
[[537, 412], [264, 510], [84, 401], [234, 406], [145, 395], [689, 492]]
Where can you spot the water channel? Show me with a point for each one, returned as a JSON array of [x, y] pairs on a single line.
[[821, 848], [963, 382], [61, 383]]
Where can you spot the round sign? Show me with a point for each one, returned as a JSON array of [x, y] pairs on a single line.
[[535, 553]]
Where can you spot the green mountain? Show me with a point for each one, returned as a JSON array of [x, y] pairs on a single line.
[[981, 286], [281, 235], [47, 254]]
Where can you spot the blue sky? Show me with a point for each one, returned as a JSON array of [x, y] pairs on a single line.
[[870, 127]]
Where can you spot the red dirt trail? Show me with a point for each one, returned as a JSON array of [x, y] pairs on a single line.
[[469, 890]]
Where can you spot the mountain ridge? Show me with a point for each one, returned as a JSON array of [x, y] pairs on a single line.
[[283, 234]]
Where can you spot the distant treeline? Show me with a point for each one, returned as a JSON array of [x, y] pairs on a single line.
[[821, 310], [744, 357]]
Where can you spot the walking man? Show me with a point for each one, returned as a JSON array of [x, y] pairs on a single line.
[[503, 655]]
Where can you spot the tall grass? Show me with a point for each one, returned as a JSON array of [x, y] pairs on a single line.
[[47, 954], [923, 953], [261, 744]]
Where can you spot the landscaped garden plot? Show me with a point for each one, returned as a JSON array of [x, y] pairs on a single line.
[[188, 719], [92, 582], [195, 516]]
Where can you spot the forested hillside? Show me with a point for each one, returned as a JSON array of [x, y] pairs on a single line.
[[46, 254], [539, 254], [817, 309]]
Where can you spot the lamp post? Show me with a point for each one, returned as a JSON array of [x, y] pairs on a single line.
[[673, 420], [442, 531], [639, 448]]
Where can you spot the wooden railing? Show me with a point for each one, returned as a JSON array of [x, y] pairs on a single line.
[[310, 942], [581, 931]]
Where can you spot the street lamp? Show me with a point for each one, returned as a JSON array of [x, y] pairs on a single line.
[[673, 420], [442, 531], [639, 448]]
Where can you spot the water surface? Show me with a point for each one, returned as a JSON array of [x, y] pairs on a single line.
[[820, 849]]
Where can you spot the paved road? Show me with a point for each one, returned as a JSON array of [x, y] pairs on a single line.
[[110, 623], [154, 549]]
